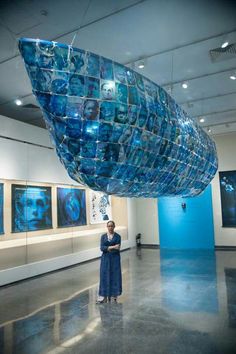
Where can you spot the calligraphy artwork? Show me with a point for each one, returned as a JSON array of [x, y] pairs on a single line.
[[100, 207]]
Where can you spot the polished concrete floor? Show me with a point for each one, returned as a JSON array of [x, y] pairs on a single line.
[[173, 302]]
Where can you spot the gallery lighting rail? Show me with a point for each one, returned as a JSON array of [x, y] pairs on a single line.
[[26, 142]]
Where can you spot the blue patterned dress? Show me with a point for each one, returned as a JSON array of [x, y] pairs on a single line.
[[110, 269]]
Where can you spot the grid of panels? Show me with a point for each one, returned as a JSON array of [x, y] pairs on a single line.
[[115, 130]]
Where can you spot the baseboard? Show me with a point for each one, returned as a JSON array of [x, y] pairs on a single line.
[[225, 248], [147, 245]]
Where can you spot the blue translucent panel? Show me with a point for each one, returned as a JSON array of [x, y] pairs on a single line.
[[115, 130]]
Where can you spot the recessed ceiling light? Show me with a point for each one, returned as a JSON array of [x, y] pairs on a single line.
[[18, 102], [141, 65], [225, 44], [185, 85], [202, 120], [232, 77], [209, 130]]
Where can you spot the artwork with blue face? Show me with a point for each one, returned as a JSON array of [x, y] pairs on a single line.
[[1, 209], [31, 208], [71, 207], [228, 198], [90, 103]]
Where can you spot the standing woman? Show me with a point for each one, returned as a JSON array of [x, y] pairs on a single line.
[[110, 270]]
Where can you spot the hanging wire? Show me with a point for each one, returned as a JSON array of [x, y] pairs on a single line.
[[82, 22]]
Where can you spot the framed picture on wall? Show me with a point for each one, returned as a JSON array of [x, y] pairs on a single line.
[[1, 209], [71, 207], [31, 208], [228, 198], [100, 207]]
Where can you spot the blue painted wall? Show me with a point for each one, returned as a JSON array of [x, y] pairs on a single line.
[[189, 228]]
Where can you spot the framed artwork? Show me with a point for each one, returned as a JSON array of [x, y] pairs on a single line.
[[100, 207], [31, 208], [228, 198], [1, 209], [71, 207]]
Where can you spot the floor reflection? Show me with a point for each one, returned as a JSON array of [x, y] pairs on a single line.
[[50, 327], [172, 303], [189, 281], [230, 279]]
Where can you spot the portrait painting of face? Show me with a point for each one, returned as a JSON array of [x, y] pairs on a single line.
[[100, 207], [132, 114], [58, 105], [107, 111], [106, 69], [121, 114], [43, 80], [121, 93], [120, 73], [77, 61], [93, 65], [59, 83], [61, 57], [88, 149], [74, 107], [130, 77], [46, 61], [76, 85], [91, 110], [105, 132], [92, 87], [133, 95], [31, 208], [71, 207], [1, 209], [108, 90]]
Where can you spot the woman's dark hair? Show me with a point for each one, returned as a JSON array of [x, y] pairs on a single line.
[[113, 222]]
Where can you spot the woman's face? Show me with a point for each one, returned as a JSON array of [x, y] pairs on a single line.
[[110, 227]]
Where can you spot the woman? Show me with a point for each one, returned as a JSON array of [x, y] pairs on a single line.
[[110, 270]]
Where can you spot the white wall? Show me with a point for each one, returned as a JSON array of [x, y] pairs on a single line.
[[21, 161], [132, 221], [147, 220], [226, 149]]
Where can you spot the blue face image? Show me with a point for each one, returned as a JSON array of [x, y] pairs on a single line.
[[71, 207], [76, 85], [31, 208]]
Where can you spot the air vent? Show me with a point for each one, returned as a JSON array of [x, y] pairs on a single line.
[[220, 54], [31, 106]]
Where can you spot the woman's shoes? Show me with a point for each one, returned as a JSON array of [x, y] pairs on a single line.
[[102, 301], [105, 300]]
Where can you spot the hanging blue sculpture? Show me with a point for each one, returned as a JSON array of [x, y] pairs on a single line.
[[115, 130]]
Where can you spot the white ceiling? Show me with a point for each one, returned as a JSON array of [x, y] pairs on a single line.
[[174, 37]]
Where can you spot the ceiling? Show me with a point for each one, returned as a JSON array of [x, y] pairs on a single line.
[[173, 37]]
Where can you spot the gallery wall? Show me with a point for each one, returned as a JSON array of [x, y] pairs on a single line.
[[147, 220], [27, 157], [186, 223], [226, 148], [147, 209]]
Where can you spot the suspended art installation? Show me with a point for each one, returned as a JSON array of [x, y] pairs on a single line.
[[115, 130]]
